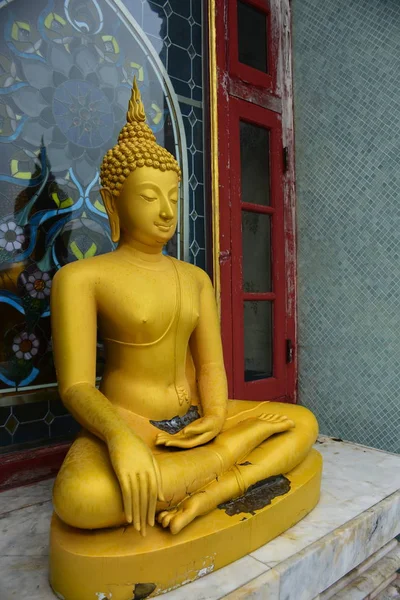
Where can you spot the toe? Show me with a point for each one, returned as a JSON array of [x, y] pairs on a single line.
[[177, 524], [161, 515], [164, 521], [168, 518]]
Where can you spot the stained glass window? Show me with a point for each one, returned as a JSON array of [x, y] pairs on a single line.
[[66, 69]]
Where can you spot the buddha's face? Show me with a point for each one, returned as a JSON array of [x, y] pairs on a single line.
[[147, 206]]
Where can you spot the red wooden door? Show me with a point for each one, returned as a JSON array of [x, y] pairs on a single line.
[[256, 269]]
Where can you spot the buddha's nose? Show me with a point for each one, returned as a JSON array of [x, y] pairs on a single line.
[[166, 212]]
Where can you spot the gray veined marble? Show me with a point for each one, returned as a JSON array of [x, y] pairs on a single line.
[[377, 578], [391, 592], [359, 570], [22, 497]]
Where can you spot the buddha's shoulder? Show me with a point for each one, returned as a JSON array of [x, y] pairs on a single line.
[[85, 271], [192, 271]]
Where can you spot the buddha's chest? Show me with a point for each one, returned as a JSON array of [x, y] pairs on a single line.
[[145, 306]]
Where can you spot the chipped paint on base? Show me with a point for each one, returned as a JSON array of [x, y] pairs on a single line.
[[102, 596], [205, 570]]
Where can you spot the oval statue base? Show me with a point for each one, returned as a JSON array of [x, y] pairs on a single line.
[[119, 564]]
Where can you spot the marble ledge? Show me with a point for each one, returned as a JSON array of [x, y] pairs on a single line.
[[369, 584], [359, 512], [392, 592], [362, 568]]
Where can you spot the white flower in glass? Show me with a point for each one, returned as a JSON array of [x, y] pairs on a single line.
[[11, 236], [25, 345], [38, 284]]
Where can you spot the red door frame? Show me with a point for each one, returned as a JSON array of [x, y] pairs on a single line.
[[271, 106]]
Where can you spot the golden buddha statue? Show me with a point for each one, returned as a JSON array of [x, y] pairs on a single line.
[[161, 443]]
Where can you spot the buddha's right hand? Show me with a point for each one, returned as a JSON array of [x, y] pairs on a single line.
[[139, 478]]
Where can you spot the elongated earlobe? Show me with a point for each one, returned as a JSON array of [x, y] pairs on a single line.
[[109, 203]]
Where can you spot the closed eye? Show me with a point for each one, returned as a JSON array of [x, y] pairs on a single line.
[[148, 198]]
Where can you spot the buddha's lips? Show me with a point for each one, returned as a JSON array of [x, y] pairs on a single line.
[[163, 226]]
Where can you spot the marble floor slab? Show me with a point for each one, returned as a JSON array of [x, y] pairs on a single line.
[[23, 497], [358, 513]]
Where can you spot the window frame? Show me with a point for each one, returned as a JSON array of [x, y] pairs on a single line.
[[241, 70], [274, 386]]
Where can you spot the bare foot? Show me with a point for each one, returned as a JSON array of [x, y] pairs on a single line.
[[177, 518], [255, 430], [165, 516]]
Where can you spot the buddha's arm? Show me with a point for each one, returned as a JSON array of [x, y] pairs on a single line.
[[206, 349], [73, 315], [73, 311]]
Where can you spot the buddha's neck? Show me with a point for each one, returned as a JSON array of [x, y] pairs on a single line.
[[137, 252]]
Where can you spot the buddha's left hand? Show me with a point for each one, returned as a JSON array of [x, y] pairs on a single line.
[[200, 432]]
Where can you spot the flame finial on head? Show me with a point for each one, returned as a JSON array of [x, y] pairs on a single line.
[[135, 108], [136, 147]]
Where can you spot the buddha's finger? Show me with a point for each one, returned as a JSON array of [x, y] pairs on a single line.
[[160, 491], [182, 443], [136, 504], [144, 502], [126, 498], [195, 429], [191, 442], [201, 439], [162, 438], [152, 499], [170, 440]]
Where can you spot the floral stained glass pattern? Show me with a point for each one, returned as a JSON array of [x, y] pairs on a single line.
[[11, 236], [66, 69]]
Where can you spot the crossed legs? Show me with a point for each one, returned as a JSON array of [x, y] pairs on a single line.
[[87, 495]]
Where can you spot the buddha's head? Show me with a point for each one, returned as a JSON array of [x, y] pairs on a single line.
[[140, 182]]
